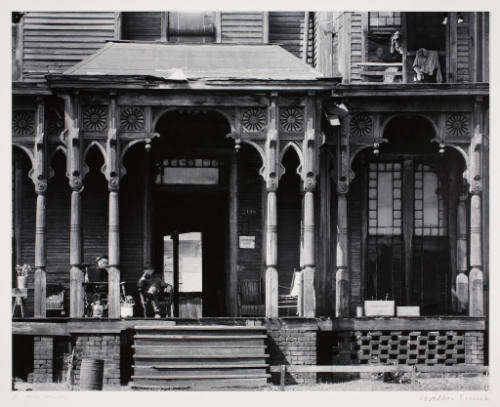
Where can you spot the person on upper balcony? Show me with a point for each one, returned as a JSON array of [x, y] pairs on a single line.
[[427, 67]]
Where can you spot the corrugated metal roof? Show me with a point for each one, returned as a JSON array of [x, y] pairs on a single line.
[[179, 62]]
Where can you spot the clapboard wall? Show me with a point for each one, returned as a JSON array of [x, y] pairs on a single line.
[[54, 41], [289, 221], [250, 185], [242, 27], [464, 49]]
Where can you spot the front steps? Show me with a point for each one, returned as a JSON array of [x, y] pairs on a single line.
[[199, 357]]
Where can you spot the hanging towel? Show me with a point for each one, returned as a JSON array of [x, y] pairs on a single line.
[[427, 61]]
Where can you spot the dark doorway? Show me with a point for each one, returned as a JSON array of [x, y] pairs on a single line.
[[198, 219]]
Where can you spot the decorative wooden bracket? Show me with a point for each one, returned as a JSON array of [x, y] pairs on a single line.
[[71, 137], [38, 173], [113, 166], [271, 169], [310, 147]]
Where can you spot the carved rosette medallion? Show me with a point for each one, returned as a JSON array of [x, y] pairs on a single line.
[[95, 118], [291, 119], [23, 123], [253, 119], [457, 125], [132, 119], [361, 125]]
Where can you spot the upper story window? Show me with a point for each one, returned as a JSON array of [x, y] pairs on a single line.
[[384, 20], [176, 27]]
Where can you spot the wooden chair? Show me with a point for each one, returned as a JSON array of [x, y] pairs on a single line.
[[55, 301], [288, 303], [250, 298], [164, 300]]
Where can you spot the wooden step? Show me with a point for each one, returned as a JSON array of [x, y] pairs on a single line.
[[175, 331], [179, 359], [179, 349], [151, 372], [200, 337], [201, 384], [207, 376], [240, 328], [210, 342], [201, 366]]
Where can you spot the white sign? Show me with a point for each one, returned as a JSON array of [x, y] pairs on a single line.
[[247, 242]]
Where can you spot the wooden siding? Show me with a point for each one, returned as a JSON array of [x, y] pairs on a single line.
[[141, 26], [54, 41], [311, 32], [28, 205], [354, 222], [287, 29], [94, 212], [289, 219], [58, 230], [249, 212], [242, 27], [464, 45], [131, 222], [356, 46]]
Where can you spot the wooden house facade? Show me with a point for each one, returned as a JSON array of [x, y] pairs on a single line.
[[288, 170]]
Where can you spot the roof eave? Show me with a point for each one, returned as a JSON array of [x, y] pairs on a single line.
[[60, 81]]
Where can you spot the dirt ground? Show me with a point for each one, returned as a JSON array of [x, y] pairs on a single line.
[[480, 383]]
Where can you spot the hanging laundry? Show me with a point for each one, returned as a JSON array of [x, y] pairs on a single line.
[[426, 62]]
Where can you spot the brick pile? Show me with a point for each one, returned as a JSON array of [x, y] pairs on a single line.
[[43, 355]]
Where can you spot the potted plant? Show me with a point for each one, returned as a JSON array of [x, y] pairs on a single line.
[[22, 274]]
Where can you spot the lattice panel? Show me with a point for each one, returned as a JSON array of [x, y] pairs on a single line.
[[400, 347]]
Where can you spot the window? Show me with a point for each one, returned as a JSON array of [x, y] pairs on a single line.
[[384, 199], [429, 217], [187, 171], [176, 27], [384, 20]]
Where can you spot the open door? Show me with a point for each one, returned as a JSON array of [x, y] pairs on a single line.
[[183, 268]]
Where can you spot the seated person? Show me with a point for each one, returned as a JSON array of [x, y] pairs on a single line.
[[152, 289], [99, 273]]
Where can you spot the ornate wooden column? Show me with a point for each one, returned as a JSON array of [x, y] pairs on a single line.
[[74, 167], [462, 283], [308, 174], [39, 177], [147, 180], [476, 300], [342, 274], [113, 178], [271, 177]]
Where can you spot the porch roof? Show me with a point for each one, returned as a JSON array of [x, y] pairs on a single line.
[[192, 65]]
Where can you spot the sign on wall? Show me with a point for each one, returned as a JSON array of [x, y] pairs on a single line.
[[247, 242]]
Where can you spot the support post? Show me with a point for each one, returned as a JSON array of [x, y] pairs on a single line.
[[462, 282], [342, 274], [146, 238], [476, 295], [113, 178], [271, 177], [308, 174], [39, 176], [232, 283], [74, 165]]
